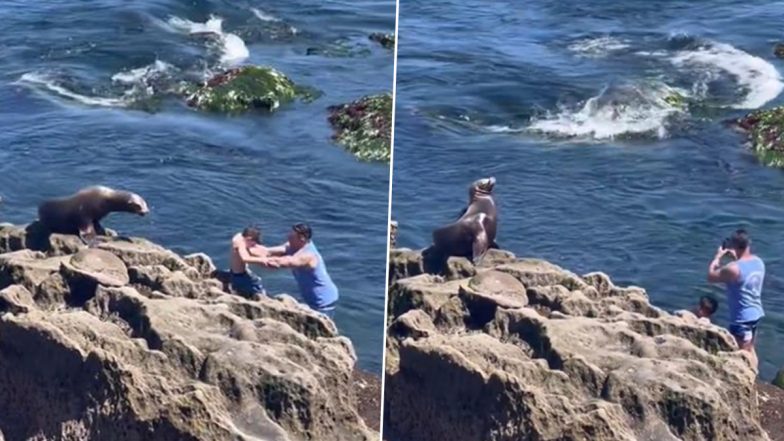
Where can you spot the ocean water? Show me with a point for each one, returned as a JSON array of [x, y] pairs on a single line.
[[80, 104], [575, 109]]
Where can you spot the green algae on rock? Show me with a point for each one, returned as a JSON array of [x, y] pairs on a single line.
[[364, 126], [385, 40], [765, 129], [245, 88]]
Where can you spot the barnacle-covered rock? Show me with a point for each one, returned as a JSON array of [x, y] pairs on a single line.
[[364, 127], [765, 130], [245, 88]]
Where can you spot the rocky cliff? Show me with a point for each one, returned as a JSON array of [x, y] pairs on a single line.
[[521, 349], [130, 341]]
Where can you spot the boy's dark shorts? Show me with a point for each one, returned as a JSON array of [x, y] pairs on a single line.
[[247, 284]]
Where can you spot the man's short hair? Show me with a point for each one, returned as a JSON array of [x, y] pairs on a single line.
[[252, 233], [303, 230], [740, 239], [711, 304]]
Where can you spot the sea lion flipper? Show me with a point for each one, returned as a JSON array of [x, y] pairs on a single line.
[[98, 228], [87, 233]]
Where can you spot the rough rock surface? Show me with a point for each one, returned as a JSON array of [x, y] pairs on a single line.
[[129, 341], [521, 349], [364, 127], [765, 131], [385, 40], [245, 88]]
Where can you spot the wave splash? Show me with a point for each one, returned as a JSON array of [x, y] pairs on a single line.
[[627, 110], [231, 47], [759, 79]]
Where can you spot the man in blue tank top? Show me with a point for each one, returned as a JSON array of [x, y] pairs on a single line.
[[301, 255], [743, 278]]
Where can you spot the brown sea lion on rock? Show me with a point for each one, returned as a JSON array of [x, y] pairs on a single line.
[[82, 212], [473, 233]]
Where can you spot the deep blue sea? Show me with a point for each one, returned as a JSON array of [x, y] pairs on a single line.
[[574, 108], [73, 74]]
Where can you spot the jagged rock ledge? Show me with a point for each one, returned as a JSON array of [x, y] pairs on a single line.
[[130, 341], [364, 127], [524, 349]]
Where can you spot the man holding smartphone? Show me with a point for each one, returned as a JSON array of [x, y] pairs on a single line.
[[743, 278]]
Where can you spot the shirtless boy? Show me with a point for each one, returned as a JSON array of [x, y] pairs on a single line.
[[246, 248]]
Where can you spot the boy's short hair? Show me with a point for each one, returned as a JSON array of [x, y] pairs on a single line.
[[252, 233], [709, 303]]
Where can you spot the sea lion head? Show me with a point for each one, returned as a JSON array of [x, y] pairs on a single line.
[[138, 205], [122, 201], [482, 186]]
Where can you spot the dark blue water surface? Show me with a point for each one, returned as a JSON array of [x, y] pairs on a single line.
[[622, 183], [65, 124]]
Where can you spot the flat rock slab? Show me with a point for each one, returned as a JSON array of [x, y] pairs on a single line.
[[99, 265], [496, 287]]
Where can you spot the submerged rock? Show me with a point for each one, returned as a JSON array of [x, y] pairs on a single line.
[[245, 88], [364, 127], [385, 40], [339, 49], [130, 341], [778, 50], [765, 131], [523, 349]]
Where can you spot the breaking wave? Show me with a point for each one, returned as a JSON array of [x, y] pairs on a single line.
[[598, 46], [231, 47], [40, 80], [628, 110], [760, 80]]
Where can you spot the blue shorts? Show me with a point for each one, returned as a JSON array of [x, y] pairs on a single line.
[[247, 284], [745, 331]]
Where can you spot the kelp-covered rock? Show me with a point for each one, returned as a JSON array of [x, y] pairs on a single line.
[[765, 130], [364, 126], [522, 349], [385, 40], [246, 88], [129, 341]]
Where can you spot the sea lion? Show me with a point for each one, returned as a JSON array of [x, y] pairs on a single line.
[[473, 233], [82, 212]]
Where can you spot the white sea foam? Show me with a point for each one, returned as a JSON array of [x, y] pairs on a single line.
[[214, 25], [234, 49], [231, 47], [263, 16], [598, 46], [142, 74], [39, 80], [760, 79], [636, 109]]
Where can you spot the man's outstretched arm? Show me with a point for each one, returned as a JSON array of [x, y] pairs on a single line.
[[303, 260], [279, 250]]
